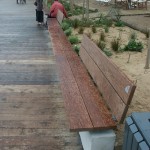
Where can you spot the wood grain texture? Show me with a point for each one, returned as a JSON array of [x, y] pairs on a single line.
[[115, 87], [32, 113], [80, 94]]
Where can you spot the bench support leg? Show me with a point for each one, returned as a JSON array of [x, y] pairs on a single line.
[[98, 140]]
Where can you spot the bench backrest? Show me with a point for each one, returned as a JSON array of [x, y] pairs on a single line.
[[60, 16], [115, 87]]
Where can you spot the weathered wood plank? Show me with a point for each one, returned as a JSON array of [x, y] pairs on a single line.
[[33, 141], [117, 90], [113, 74], [91, 96], [43, 124], [109, 94], [72, 71]]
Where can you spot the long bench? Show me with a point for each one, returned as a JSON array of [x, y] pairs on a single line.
[[96, 92]]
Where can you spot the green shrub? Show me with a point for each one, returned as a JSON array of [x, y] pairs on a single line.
[[147, 33], [106, 29], [119, 24], [86, 23], [75, 23], [81, 30], [73, 39], [49, 5], [94, 29], [65, 26], [115, 44], [101, 44], [76, 48], [102, 36], [68, 32], [133, 45], [66, 5], [107, 52], [103, 20]]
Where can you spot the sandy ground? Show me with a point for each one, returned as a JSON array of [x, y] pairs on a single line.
[[136, 71], [135, 68]]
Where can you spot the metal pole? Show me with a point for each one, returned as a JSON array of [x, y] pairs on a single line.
[[148, 52]]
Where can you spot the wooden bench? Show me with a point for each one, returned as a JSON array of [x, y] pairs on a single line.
[[96, 93]]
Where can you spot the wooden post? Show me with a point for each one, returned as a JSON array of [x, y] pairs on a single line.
[[148, 52]]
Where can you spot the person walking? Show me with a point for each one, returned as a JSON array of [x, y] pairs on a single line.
[[39, 11], [54, 9]]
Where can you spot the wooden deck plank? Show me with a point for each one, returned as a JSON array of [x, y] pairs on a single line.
[[33, 141], [32, 113]]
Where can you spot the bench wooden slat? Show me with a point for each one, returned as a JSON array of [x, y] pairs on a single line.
[[73, 101], [60, 16], [95, 106], [103, 85], [78, 90], [110, 81], [110, 70]]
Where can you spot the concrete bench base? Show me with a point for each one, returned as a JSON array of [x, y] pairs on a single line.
[[98, 140]]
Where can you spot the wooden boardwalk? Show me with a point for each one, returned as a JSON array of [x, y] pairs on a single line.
[[32, 114]]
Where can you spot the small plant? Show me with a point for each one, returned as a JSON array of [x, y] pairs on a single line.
[[76, 49], [106, 29], [94, 29], [102, 36], [107, 52], [81, 30], [115, 44], [68, 32], [101, 44], [86, 23], [147, 34], [73, 39], [119, 23], [65, 26], [103, 20], [75, 23], [133, 45], [133, 36]]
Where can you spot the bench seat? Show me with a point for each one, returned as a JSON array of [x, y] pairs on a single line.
[[96, 92]]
